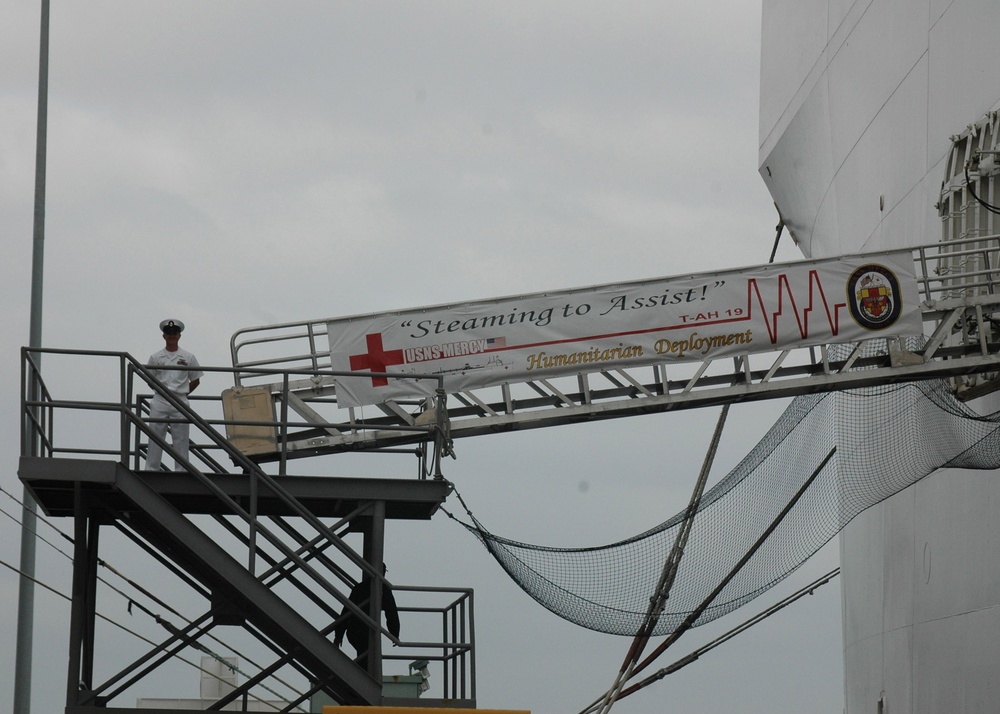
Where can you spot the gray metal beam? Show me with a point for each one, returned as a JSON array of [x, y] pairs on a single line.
[[51, 483]]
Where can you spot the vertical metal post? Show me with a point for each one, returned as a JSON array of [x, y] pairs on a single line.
[[90, 623], [447, 686], [374, 554], [455, 671], [252, 525], [125, 392], [78, 606], [283, 460], [440, 433], [38, 233], [472, 644], [463, 618], [26, 586]]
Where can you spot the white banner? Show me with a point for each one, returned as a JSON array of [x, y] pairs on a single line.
[[759, 309]]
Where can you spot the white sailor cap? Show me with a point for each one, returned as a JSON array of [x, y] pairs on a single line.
[[171, 325]]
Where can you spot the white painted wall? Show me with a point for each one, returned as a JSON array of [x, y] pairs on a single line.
[[858, 101]]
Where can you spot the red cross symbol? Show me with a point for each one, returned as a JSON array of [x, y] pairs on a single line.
[[377, 359]]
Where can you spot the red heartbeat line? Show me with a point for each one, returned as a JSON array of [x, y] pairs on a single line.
[[801, 316]]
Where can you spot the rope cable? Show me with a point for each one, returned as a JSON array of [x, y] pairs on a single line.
[[658, 602], [972, 191], [730, 634], [662, 593]]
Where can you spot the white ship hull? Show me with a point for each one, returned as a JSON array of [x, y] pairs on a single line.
[[858, 104]]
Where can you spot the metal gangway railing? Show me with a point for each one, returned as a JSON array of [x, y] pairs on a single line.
[[959, 284]]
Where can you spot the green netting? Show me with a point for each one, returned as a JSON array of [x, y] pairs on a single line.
[[886, 439]]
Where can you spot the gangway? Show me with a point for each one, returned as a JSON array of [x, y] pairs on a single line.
[[959, 294]]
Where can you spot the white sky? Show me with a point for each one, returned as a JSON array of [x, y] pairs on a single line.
[[235, 164]]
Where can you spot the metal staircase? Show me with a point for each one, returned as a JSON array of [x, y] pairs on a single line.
[[269, 556]]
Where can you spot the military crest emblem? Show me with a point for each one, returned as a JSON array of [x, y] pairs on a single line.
[[874, 296]]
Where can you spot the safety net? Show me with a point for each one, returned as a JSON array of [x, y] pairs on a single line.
[[883, 439]]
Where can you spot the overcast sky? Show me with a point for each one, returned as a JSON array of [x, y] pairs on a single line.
[[235, 164]]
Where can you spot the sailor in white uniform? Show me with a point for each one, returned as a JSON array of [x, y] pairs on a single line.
[[180, 382]]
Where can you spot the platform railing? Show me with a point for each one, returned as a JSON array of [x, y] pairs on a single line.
[[453, 653], [295, 436]]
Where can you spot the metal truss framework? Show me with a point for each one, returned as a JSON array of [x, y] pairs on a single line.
[[959, 284]]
